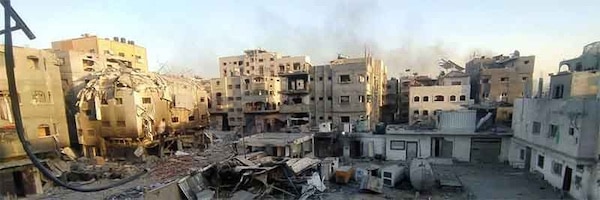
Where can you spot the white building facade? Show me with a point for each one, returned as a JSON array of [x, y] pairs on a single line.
[[558, 138]]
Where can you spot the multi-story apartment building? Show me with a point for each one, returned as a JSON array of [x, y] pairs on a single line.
[[120, 49], [452, 93], [249, 92], [43, 115], [497, 81], [557, 135], [406, 83], [389, 111], [348, 90]]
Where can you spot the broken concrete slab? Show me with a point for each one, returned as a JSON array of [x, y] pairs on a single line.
[[299, 165], [371, 184], [242, 195]]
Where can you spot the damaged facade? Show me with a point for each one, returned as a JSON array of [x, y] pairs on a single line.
[[349, 93], [497, 81], [556, 136], [263, 91], [452, 93], [123, 107], [43, 111], [127, 51], [248, 95]]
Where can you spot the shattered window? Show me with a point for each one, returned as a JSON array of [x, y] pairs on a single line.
[[344, 99], [39, 96], [191, 118], [463, 98], [345, 119], [343, 78], [44, 130], [175, 119], [536, 128], [146, 100], [202, 99], [540, 161], [557, 168], [118, 101]]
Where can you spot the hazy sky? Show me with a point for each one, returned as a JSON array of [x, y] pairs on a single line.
[[189, 36]]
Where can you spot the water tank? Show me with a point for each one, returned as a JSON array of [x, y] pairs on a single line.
[[421, 174]]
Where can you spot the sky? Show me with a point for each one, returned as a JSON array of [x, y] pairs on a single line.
[[188, 36]]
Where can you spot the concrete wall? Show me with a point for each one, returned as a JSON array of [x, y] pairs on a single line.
[[42, 103], [431, 105], [519, 72], [579, 114], [575, 84], [461, 148], [586, 189]]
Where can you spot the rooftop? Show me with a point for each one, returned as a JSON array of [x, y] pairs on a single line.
[[276, 139]]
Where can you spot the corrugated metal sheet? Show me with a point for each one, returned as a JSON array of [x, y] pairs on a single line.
[[463, 119]]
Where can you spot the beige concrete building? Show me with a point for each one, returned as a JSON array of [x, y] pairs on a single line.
[[348, 90], [498, 81], [452, 93], [121, 49], [126, 112], [43, 114], [249, 92]]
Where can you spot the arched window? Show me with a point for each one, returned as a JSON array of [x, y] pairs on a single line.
[[438, 98], [416, 99], [463, 98], [452, 98], [425, 98]]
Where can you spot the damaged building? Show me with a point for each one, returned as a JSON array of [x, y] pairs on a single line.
[[122, 107], [348, 92], [248, 95], [497, 81], [43, 112], [127, 51], [556, 136], [451, 93]]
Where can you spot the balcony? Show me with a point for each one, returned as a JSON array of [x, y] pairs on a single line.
[[294, 108], [294, 72], [293, 92], [260, 107]]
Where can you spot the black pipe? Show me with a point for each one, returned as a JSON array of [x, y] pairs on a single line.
[[16, 109]]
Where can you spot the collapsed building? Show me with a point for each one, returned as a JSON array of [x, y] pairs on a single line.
[[122, 107]]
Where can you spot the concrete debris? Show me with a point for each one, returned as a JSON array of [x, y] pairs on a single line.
[[67, 151], [242, 195], [371, 184], [317, 182], [181, 153]]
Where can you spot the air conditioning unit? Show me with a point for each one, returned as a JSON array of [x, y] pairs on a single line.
[[392, 175]]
